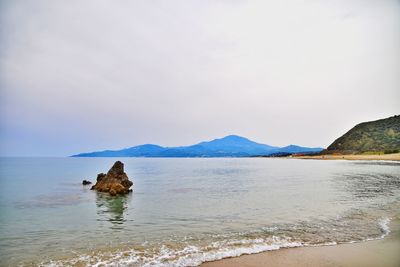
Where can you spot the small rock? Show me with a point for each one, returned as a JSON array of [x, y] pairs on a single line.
[[86, 182]]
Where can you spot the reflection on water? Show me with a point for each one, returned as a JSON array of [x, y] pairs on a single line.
[[369, 185], [377, 163], [51, 201], [112, 209]]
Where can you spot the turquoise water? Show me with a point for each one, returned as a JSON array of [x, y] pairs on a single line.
[[183, 212]]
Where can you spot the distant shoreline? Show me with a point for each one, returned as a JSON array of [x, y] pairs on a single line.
[[393, 157]]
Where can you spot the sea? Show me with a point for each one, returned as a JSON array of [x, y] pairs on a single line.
[[186, 211]]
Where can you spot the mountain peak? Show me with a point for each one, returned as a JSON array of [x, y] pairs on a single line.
[[234, 137], [229, 140]]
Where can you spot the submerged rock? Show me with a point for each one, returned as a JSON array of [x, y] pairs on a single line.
[[115, 182], [86, 182]]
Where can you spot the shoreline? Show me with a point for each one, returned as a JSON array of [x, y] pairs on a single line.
[[389, 157], [381, 252]]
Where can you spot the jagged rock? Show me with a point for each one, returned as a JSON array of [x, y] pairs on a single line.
[[100, 176], [115, 182], [86, 182]]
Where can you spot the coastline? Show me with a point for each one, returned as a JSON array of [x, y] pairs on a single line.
[[391, 157], [382, 252]]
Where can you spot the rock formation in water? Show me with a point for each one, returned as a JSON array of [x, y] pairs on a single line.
[[115, 182], [86, 182]]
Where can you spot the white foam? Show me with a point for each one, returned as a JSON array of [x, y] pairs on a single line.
[[197, 256], [323, 244], [192, 255], [384, 226], [188, 256]]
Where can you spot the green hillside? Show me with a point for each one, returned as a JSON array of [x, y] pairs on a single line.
[[374, 136]]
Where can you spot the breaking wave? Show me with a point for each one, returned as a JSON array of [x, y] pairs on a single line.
[[187, 254]]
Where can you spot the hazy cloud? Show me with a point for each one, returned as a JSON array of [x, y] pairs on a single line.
[[87, 75]]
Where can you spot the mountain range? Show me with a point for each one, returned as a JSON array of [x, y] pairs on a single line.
[[228, 146]]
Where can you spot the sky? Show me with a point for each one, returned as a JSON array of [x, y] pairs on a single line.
[[79, 76]]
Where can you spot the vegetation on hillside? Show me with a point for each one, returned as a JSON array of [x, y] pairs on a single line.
[[374, 136]]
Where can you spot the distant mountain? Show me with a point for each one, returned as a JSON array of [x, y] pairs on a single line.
[[147, 150], [236, 144], [298, 149], [229, 146], [374, 136]]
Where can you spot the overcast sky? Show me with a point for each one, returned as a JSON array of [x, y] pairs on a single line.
[[78, 76]]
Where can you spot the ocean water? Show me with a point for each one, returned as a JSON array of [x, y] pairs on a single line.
[[183, 212]]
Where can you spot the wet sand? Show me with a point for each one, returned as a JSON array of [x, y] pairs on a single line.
[[395, 156], [378, 253]]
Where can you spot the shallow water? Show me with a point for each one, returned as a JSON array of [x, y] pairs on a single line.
[[183, 212]]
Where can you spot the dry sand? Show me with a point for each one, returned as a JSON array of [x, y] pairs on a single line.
[[378, 253], [395, 157]]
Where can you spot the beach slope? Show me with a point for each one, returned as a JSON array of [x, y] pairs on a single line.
[[382, 253], [393, 157]]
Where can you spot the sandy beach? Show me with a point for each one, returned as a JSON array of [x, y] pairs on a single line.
[[395, 157], [382, 253]]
